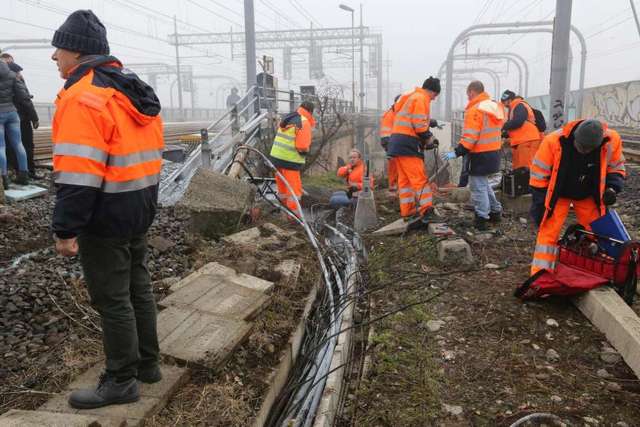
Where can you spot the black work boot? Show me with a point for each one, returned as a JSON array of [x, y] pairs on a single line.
[[421, 222], [108, 392], [5, 182], [23, 178], [480, 223], [150, 374], [495, 216]]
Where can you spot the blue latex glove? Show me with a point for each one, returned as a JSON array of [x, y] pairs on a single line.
[[450, 155]]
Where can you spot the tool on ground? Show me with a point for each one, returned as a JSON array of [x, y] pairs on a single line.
[[589, 259]]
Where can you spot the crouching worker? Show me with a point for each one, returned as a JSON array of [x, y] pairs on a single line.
[[482, 143], [580, 165], [107, 156], [353, 173], [290, 146]]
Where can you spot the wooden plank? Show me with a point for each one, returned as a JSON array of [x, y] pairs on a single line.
[[19, 418], [210, 294], [200, 338], [621, 325]]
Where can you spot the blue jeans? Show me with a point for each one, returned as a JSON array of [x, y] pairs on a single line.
[[10, 126], [483, 197]]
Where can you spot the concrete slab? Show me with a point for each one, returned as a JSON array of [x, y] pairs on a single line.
[[365, 217], [397, 227], [212, 294], [18, 418], [134, 413], [516, 206], [17, 193], [200, 338], [290, 270], [440, 229], [621, 325], [215, 203], [222, 272], [58, 403], [454, 251]]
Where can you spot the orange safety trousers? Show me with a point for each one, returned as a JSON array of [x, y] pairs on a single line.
[[413, 188], [546, 250], [522, 154], [392, 172], [293, 178]]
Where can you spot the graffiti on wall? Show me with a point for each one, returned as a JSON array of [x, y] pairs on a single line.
[[617, 104]]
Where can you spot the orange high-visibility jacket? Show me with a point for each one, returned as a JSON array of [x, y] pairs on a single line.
[[354, 174], [386, 125], [547, 163], [107, 151], [481, 132], [528, 131], [411, 124]]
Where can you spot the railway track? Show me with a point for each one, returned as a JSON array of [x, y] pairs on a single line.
[[172, 131]]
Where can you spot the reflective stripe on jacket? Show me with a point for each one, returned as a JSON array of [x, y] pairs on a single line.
[[547, 168], [528, 131], [481, 138], [411, 124], [293, 139], [107, 151]]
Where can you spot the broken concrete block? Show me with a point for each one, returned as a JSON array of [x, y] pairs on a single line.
[[17, 193], [396, 227], [516, 205], [440, 229], [215, 203], [454, 251]]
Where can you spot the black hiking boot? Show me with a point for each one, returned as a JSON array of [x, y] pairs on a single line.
[[495, 216], [421, 222], [22, 178], [108, 392], [5, 182], [149, 375], [480, 223]]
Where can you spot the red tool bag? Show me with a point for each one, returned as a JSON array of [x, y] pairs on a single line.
[[583, 265]]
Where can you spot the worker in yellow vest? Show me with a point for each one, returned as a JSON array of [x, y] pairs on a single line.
[[290, 146]]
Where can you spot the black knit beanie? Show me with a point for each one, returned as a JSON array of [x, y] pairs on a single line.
[[82, 32], [432, 84], [507, 95]]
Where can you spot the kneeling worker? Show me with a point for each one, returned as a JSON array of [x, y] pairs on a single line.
[[410, 136], [290, 146], [354, 173], [581, 166], [481, 141]]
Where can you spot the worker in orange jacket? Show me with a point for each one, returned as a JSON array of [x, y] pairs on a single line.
[[386, 126], [524, 137], [107, 155], [410, 136], [290, 146], [354, 173], [481, 141], [580, 165]]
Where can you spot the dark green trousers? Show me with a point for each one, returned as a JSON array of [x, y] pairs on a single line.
[[119, 285]]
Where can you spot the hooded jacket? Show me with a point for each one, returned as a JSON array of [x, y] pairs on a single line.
[[12, 90], [483, 119], [107, 154], [301, 122]]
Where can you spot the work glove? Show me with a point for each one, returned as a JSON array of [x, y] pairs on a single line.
[[609, 196], [433, 123], [449, 155], [432, 144], [35, 124]]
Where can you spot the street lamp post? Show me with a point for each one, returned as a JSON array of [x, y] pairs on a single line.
[[353, 54]]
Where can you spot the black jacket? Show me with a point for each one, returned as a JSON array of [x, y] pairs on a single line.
[[12, 90], [81, 209]]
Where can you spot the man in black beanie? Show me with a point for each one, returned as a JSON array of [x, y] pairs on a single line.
[[107, 157]]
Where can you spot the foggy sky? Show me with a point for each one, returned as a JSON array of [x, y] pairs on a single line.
[[416, 37]]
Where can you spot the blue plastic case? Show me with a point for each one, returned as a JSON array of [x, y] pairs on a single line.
[[610, 225]]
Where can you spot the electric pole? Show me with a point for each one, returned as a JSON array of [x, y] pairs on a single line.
[[250, 45], [560, 62], [175, 30], [361, 63]]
